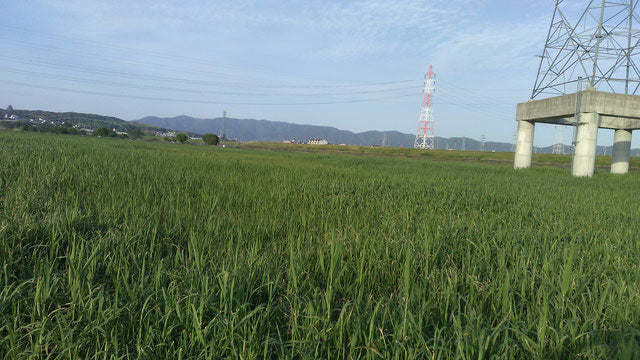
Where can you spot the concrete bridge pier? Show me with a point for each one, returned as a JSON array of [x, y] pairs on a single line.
[[584, 156], [524, 144], [594, 109], [621, 151]]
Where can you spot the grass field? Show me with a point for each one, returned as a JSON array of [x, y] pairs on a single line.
[[602, 161], [127, 249]]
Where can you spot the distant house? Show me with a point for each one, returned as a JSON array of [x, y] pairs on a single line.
[[318, 142], [165, 134], [292, 141]]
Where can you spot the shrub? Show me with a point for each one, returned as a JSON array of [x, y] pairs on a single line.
[[102, 131], [182, 137], [135, 133], [211, 139]]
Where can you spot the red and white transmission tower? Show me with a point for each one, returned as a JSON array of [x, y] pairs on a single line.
[[425, 136]]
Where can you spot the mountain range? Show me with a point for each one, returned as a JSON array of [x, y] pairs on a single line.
[[245, 130]]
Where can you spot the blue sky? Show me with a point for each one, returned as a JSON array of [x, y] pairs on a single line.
[[309, 62]]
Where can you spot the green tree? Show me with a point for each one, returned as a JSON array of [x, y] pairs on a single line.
[[102, 131], [135, 133], [26, 127], [182, 137], [211, 139]]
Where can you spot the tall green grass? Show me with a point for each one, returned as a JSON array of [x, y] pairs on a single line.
[[484, 156], [121, 249]]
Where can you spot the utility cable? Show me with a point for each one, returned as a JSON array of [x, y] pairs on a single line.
[[194, 91], [85, 69], [88, 92]]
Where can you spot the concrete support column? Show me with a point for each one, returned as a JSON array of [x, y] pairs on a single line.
[[621, 152], [584, 158], [524, 145]]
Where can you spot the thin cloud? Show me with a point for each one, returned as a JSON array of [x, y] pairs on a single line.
[[349, 28]]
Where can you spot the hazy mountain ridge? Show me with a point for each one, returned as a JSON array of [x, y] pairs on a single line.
[[276, 131], [91, 121]]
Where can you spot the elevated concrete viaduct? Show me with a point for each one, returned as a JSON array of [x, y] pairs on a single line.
[[588, 110]]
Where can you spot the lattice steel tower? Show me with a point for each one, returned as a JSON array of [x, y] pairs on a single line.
[[595, 43], [558, 147], [425, 136], [598, 45], [224, 125]]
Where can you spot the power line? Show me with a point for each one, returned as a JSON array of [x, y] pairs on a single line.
[[112, 47], [154, 54], [478, 94], [458, 100], [460, 97], [466, 93], [85, 54], [504, 108], [193, 91], [98, 93], [85, 69], [474, 108]]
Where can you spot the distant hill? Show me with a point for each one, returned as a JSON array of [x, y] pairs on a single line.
[[273, 131], [90, 121], [263, 130]]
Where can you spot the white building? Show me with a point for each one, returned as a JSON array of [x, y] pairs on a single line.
[[318, 142]]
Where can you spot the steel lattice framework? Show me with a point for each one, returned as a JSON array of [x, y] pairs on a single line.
[[598, 46], [425, 136], [558, 147]]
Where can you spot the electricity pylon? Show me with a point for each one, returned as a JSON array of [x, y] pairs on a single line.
[[597, 43], [558, 147], [425, 136]]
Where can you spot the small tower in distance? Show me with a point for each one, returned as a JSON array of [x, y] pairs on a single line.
[[224, 125], [425, 136], [558, 147]]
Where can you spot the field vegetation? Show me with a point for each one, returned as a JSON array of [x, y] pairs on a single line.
[[113, 248], [602, 161]]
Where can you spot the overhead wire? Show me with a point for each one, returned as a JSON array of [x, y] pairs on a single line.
[[173, 57], [195, 91], [476, 106], [478, 102], [479, 112], [104, 57], [459, 96], [476, 93], [90, 92], [469, 94], [156, 54], [85, 69]]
